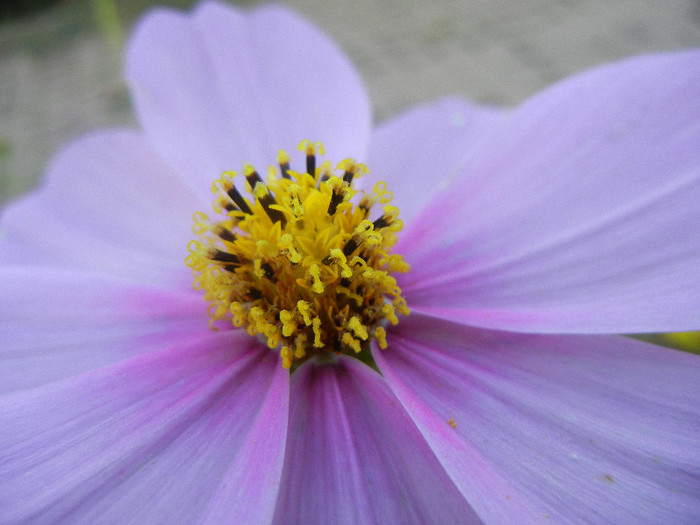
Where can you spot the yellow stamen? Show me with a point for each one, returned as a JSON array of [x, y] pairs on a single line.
[[358, 328], [297, 262], [318, 334], [380, 336]]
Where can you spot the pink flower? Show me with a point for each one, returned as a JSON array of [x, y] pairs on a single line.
[[530, 234]]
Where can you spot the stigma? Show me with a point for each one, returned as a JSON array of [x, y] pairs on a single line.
[[303, 260]]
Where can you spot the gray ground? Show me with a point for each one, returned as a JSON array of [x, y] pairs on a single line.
[[60, 74]]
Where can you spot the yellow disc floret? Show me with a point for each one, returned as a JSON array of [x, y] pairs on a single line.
[[301, 262]]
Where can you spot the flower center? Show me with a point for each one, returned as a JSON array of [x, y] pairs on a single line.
[[301, 262]]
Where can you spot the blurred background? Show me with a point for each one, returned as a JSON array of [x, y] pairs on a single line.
[[60, 60]]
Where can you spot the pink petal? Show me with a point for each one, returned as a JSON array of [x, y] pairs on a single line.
[[353, 456], [420, 152], [57, 324], [579, 215], [587, 429], [110, 205], [162, 438], [223, 87]]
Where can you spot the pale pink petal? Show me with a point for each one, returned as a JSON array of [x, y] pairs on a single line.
[[110, 205], [579, 215], [222, 87], [586, 429], [162, 438], [420, 152], [57, 324], [353, 455]]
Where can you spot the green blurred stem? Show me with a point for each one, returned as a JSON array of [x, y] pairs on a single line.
[[109, 25]]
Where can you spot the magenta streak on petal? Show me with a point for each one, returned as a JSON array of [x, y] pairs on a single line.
[[248, 491], [150, 439], [584, 428], [57, 323], [577, 214], [354, 456]]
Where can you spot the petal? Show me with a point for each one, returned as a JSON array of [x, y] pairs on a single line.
[[354, 457], [587, 429], [222, 87], [109, 204], [56, 324], [421, 151], [156, 439], [578, 215]]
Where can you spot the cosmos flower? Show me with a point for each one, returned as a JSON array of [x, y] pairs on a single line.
[[476, 386]]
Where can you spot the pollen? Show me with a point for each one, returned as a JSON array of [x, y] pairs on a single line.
[[303, 261]]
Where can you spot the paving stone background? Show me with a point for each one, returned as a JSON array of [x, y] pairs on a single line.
[[60, 75]]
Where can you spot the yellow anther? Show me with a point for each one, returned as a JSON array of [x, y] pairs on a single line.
[[355, 297], [391, 211], [400, 305], [338, 257], [221, 204], [390, 284], [262, 248], [273, 337], [364, 227], [289, 323], [348, 340], [260, 190], [311, 148], [316, 325], [257, 315], [258, 269], [395, 263], [335, 184], [295, 201], [300, 346], [286, 355], [391, 214], [365, 232], [372, 238], [349, 165], [224, 183], [315, 273], [240, 315], [346, 164], [282, 157], [194, 246], [201, 223], [358, 328], [383, 195], [286, 242], [380, 336], [390, 313], [196, 260], [272, 340], [359, 262], [305, 311], [306, 146], [298, 261]]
